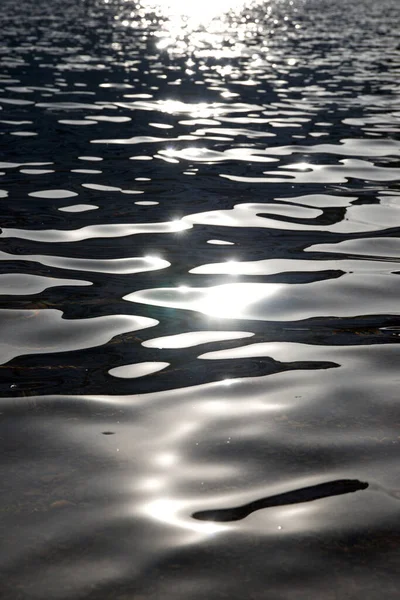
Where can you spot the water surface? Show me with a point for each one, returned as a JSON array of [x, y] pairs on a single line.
[[199, 300]]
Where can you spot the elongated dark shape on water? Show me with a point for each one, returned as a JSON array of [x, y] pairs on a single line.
[[307, 494]]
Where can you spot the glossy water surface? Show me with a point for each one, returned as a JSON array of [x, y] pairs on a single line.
[[199, 300]]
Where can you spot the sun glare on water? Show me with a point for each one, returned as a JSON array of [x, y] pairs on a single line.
[[190, 27], [200, 10]]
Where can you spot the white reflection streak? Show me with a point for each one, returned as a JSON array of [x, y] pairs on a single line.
[[167, 511], [201, 110], [302, 166]]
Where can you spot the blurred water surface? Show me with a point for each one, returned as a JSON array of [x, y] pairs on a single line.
[[199, 300]]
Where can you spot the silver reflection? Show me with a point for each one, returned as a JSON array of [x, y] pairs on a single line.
[[190, 26]]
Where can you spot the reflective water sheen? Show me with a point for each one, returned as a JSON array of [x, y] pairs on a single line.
[[199, 299]]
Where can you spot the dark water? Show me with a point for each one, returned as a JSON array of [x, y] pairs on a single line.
[[200, 300]]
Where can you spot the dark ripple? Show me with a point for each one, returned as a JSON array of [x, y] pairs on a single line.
[[308, 494]]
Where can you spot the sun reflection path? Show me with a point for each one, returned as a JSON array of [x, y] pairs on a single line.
[[200, 11], [226, 301], [190, 26]]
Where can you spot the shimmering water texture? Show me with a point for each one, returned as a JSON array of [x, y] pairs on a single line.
[[199, 300]]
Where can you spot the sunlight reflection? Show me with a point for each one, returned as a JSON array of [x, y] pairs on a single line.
[[167, 511], [301, 166], [177, 225], [230, 301], [296, 519], [189, 26], [226, 301], [169, 151], [151, 258], [150, 484], [166, 459], [193, 9], [232, 267], [228, 382], [217, 407], [199, 110]]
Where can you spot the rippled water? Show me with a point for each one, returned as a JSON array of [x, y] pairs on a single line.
[[199, 300]]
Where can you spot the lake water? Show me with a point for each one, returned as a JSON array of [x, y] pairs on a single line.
[[200, 211]]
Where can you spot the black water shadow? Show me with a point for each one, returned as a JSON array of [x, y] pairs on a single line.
[[307, 494]]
